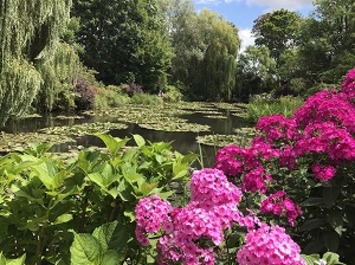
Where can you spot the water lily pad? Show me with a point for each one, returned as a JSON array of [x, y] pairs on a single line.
[[9, 141], [221, 140], [84, 129], [208, 112], [64, 117], [175, 127], [216, 117], [32, 115], [245, 131]]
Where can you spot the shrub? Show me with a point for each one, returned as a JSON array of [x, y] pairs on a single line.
[[172, 95], [87, 204], [110, 98], [84, 94], [263, 106]]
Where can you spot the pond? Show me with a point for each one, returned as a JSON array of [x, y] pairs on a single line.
[[168, 124]]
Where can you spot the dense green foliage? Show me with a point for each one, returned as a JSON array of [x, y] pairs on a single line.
[[260, 106], [30, 60], [45, 203], [306, 51], [206, 48], [124, 41]]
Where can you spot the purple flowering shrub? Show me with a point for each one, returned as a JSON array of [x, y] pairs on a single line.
[[298, 173]]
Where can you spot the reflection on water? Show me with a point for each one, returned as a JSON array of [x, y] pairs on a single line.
[[184, 142]]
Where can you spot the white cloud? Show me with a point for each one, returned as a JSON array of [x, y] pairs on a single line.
[[246, 38], [277, 4]]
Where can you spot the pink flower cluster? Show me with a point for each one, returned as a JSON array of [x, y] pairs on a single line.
[[246, 163], [321, 130], [269, 246], [323, 173], [151, 213], [279, 204], [212, 210], [277, 127]]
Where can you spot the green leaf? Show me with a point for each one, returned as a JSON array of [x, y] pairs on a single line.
[[332, 258], [111, 257], [64, 218], [45, 171], [85, 250], [312, 224], [313, 201], [311, 259], [331, 241], [104, 234], [18, 261], [139, 140], [336, 222], [314, 246], [330, 195], [113, 144]]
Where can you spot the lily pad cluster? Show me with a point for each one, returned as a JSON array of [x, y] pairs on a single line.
[[64, 117], [230, 106], [10, 141], [175, 127], [220, 140], [84, 129], [219, 117], [245, 132]]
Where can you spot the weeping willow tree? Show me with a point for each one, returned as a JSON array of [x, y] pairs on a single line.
[[29, 58]]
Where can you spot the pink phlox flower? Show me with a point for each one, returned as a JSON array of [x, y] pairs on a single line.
[[270, 246]]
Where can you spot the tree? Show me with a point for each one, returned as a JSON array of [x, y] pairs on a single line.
[[206, 48], [30, 33], [277, 30], [124, 41], [256, 72], [339, 18]]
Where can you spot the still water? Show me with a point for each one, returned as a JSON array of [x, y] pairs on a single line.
[[184, 142]]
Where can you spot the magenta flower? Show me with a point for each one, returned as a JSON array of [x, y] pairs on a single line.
[[269, 246]]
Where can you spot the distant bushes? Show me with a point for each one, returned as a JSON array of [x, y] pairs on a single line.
[[264, 105], [110, 97], [173, 94], [84, 94], [90, 94]]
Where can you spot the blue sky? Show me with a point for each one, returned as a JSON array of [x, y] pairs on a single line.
[[242, 13]]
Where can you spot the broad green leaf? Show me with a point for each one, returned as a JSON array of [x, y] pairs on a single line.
[[131, 215], [19, 261], [330, 195], [85, 250], [312, 224], [313, 201], [64, 218], [332, 258], [336, 222], [139, 140], [310, 259], [113, 144], [331, 241], [104, 234], [2, 259], [111, 257], [45, 171]]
